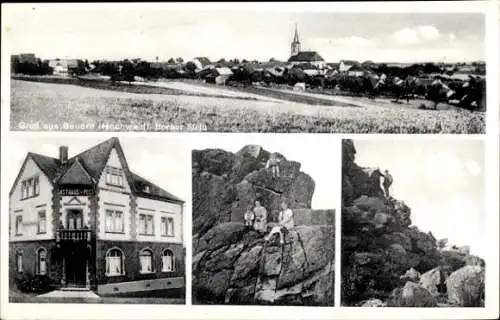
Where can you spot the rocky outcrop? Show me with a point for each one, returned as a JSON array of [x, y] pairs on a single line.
[[382, 252], [233, 264], [412, 295]]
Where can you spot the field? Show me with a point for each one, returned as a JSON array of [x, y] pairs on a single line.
[[122, 107]]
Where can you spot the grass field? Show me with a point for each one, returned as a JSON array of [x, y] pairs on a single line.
[[48, 106]]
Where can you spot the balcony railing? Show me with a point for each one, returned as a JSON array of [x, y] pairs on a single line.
[[73, 235]]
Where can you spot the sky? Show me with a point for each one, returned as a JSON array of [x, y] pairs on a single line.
[[442, 181], [163, 161], [116, 33]]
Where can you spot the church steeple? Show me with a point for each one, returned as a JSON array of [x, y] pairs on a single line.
[[295, 47]]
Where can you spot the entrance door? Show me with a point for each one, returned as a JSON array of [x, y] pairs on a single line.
[[76, 268], [74, 219]]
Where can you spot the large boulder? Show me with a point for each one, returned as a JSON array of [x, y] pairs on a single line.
[[221, 235], [434, 281], [411, 275], [412, 295], [373, 303], [465, 287]]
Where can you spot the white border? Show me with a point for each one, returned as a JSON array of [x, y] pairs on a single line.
[[95, 311]]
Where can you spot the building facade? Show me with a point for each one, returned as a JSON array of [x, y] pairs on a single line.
[[90, 222]]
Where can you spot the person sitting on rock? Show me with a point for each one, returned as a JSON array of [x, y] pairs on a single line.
[[285, 222], [249, 217], [260, 223], [273, 164], [387, 182]]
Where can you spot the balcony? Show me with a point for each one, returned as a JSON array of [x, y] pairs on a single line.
[[73, 235]]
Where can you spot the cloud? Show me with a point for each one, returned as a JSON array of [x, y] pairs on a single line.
[[419, 34]]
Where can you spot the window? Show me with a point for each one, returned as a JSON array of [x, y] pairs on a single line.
[[19, 261], [170, 226], [167, 226], [146, 225], [146, 261], [42, 222], [167, 261], [41, 265], [114, 263], [163, 226], [30, 187], [19, 225], [114, 221], [36, 186], [114, 176], [75, 220]]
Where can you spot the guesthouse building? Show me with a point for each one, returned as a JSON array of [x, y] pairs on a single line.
[[89, 222]]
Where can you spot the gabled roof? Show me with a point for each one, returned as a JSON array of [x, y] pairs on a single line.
[[350, 62], [76, 175], [88, 166], [203, 60], [154, 191], [224, 71], [307, 56]]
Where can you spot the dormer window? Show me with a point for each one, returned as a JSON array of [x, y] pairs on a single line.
[[114, 176], [146, 189], [30, 187]]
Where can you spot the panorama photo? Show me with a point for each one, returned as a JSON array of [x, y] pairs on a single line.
[[164, 69]]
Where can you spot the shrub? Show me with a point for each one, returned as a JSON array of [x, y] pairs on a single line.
[[28, 283]]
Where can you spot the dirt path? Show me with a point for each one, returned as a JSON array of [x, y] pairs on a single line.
[[216, 91]]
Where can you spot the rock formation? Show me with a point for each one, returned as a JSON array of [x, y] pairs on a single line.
[[384, 256], [233, 264]]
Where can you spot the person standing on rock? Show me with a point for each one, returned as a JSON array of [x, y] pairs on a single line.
[[260, 224], [273, 164], [249, 217], [387, 182], [285, 222]]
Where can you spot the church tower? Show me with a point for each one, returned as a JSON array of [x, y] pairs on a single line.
[[295, 47]]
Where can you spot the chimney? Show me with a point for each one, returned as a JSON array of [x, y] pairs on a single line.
[[63, 154]]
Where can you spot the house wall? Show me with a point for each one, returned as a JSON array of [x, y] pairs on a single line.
[[29, 251], [131, 250], [30, 207], [114, 198], [160, 209], [111, 200]]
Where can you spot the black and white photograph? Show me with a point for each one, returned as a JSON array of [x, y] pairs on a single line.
[[264, 222], [413, 223], [164, 68], [94, 221]]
